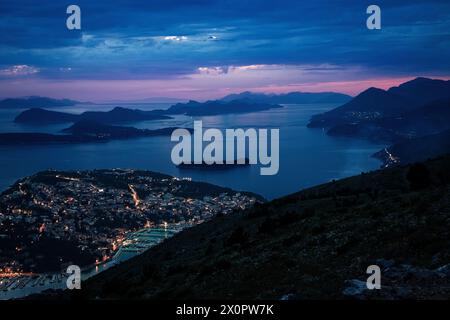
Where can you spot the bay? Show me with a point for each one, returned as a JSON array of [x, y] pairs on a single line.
[[307, 156]]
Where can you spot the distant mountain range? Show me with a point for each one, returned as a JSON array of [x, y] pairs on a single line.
[[414, 109], [402, 115], [233, 103], [290, 98], [216, 107], [123, 115], [244, 102], [36, 102], [145, 100]]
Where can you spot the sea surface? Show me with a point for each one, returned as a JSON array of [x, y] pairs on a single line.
[[307, 156]]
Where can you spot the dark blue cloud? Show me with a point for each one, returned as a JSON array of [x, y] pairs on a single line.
[[163, 38]]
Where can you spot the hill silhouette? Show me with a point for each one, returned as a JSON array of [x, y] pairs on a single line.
[[314, 244]]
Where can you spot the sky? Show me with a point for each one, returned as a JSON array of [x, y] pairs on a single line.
[[205, 49]]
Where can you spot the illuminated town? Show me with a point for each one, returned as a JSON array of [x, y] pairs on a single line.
[[94, 216]]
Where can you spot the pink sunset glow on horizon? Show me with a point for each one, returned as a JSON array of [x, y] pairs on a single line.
[[184, 88], [352, 88]]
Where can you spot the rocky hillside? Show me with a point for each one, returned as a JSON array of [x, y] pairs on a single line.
[[375, 104], [315, 244]]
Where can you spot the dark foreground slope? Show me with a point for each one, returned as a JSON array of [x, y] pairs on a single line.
[[316, 243]]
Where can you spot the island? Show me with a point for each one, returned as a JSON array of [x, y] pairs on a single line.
[[218, 107], [38, 116], [83, 132], [214, 166], [103, 131], [290, 97]]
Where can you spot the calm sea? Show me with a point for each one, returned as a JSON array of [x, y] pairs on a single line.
[[307, 156]]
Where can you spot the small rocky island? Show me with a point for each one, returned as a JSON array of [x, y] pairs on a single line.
[[214, 166]]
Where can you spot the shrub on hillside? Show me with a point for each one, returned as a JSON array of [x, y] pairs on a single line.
[[418, 176]]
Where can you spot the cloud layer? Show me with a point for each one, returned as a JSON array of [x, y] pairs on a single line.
[[228, 44]]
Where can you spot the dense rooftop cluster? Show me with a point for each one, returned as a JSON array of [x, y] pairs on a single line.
[[55, 218]]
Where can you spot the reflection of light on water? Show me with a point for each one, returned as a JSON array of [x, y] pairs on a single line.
[[143, 239], [165, 229]]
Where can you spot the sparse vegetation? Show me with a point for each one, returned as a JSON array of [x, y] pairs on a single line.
[[308, 244]]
